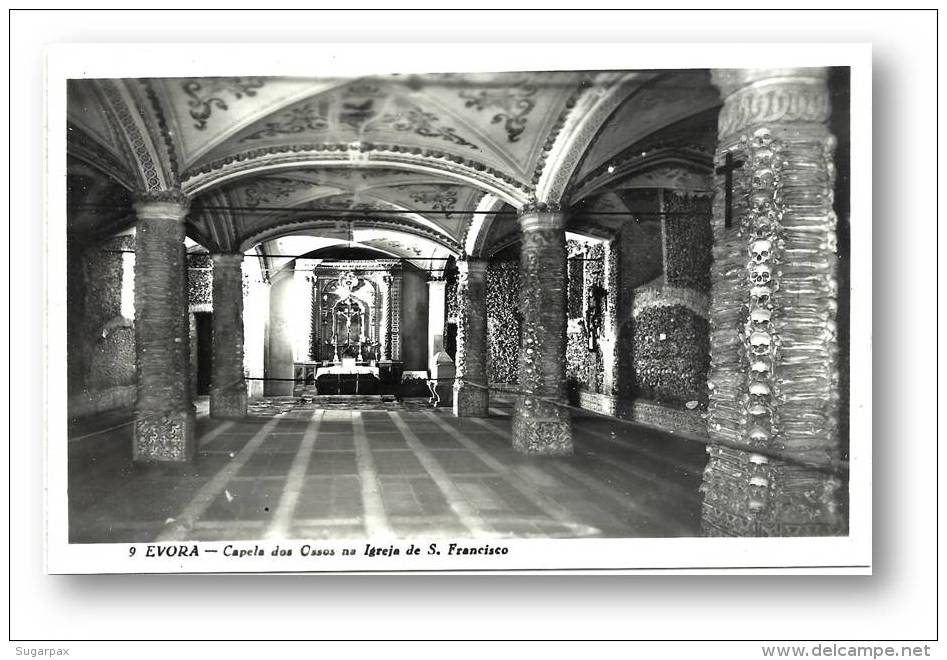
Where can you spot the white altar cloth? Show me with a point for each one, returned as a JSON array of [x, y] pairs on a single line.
[[347, 369]]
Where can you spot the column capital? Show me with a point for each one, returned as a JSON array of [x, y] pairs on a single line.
[[540, 215], [227, 258], [472, 266], [771, 96], [729, 81], [168, 204], [534, 206]]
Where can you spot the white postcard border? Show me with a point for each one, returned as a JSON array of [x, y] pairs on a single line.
[[850, 554]]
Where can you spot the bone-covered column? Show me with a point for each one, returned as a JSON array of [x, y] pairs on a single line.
[[394, 311], [228, 390], [164, 420], [540, 426], [774, 367], [386, 314], [471, 397]]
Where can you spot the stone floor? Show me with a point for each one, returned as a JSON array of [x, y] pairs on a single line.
[[292, 470]]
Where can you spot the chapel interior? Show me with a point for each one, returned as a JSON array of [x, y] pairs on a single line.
[[567, 304]]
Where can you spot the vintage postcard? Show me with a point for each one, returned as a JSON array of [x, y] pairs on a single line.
[[458, 308]]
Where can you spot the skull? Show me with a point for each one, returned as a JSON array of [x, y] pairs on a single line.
[[761, 250], [761, 482], [758, 434], [761, 275], [762, 158], [759, 343], [762, 201], [760, 367], [756, 408], [758, 459], [762, 294], [764, 179], [756, 504], [762, 138], [760, 316], [759, 389]]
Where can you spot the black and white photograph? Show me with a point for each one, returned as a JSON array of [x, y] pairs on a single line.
[[432, 325], [459, 307]]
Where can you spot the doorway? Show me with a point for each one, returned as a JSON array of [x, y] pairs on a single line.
[[204, 327]]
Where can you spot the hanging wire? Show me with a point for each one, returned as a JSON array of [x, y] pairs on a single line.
[[355, 212]]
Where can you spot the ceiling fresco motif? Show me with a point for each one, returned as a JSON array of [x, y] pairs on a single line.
[[205, 97], [396, 163], [514, 107], [500, 120]]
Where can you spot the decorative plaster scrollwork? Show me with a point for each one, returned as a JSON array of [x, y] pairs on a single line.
[[306, 118], [440, 198], [265, 191], [515, 103], [204, 95], [422, 123]]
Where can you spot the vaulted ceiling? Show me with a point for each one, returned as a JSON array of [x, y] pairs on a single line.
[[396, 163]]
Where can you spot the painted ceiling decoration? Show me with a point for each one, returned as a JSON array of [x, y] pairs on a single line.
[[442, 198], [514, 104], [359, 119], [425, 159], [267, 191], [499, 121], [205, 97]]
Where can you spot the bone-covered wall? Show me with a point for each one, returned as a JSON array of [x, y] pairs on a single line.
[[503, 321], [663, 347], [100, 328]]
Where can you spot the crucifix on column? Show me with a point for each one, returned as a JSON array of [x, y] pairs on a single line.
[[730, 164]]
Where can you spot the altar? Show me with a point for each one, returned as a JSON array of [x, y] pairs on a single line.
[[345, 377]]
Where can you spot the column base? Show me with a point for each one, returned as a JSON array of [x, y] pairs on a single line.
[[228, 405], [166, 437], [720, 523], [541, 428], [470, 401], [740, 510]]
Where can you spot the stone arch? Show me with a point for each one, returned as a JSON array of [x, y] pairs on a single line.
[[292, 227], [478, 228], [144, 134], [268, 161], [592, 110]]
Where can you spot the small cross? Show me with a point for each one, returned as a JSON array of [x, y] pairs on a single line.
[[727, 170]]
